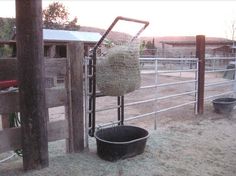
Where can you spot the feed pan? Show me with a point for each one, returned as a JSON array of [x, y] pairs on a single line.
[[224, 105], [120, 142]]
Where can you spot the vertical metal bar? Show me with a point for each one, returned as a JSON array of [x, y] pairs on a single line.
[[234, 86], [93, 96], [122, 110], [200, 54], [119, 110], [214, 63], [181, 68], [156, 94], [196, 88], [90, 97], [86, 101]]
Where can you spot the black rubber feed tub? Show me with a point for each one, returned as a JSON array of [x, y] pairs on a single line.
[[224, 105], [120, 142]]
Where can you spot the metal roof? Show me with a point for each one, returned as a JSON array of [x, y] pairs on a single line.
[[63, 35]]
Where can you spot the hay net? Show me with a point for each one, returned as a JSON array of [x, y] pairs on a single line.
[[118, 72]]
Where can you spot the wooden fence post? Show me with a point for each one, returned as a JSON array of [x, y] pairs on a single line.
[[75, 143], [29, 37], [200, 54]]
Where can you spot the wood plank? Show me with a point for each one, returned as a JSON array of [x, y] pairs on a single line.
[[8, 69], [57, 130], [11, 138], [56, 97], [9, 101], [53, 67]]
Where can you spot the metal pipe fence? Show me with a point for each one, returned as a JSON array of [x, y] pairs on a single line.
[[185, 70], [219, 68], [161, 68], [158, 69]]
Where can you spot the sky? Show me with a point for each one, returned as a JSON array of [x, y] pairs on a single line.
[[212, 18]]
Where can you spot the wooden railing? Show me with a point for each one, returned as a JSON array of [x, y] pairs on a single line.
[[10, 138]]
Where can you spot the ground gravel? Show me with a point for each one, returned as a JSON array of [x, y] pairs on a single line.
[[197, 147]]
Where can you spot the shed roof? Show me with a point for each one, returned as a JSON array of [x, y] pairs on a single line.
[[63, 35]]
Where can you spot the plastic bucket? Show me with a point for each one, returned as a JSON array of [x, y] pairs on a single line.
[[120, 142], [224, 105]]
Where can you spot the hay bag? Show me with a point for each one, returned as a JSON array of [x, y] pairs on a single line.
[[118, 72]]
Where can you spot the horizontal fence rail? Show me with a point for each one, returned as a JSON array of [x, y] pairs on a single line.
[[220, 65], [11, 138], [55, 96], [159, 111], [9, 101], [53, 67]]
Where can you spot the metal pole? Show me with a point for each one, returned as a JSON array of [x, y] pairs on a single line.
[[86, 102], [196, 88], [235, 77], [156, 102], [181, 68], [119, 110], [122, 110]]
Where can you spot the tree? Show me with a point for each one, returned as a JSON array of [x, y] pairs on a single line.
[[56, 16], [142, 47], [7, 28], [150, 46], [6, 33]]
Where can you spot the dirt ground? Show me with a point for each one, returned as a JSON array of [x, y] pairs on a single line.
[[183, 144]]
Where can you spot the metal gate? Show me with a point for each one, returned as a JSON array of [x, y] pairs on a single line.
[[151, 92]]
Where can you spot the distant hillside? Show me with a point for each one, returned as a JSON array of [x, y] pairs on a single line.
[[116, 36], [7, 30]]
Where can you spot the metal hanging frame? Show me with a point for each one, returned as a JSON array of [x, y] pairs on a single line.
[[92, 77]]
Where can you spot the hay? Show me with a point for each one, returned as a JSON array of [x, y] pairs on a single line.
[[118, 72]]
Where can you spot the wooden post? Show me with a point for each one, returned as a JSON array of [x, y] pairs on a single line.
[[33, 113], [75, 143], [200, 54]]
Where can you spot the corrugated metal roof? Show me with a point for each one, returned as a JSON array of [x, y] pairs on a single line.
[[63, 35]]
